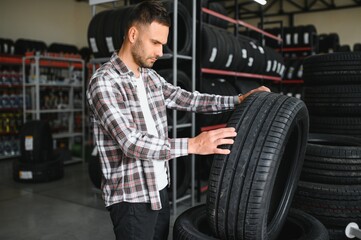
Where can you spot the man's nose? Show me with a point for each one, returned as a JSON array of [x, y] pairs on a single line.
[[159, 51]]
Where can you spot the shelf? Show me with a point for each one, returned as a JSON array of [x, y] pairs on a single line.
[[9, 157], [239, 22], [54, 85], [213, 127], [11, 59], [54, 110], [73, 160], [169, 56], [10, 85], [293, 81], [179, 126], [66, 135], [59, 63], [10, 110], [295, 49], [240, 74], [8, 133]]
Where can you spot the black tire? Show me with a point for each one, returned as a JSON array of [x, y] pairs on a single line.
[[184, 27], [350, 126], [245, 85], [36, 142], [333, 161], [250, 190], [333, 68], [94, 169], [184, 176], [25, 45], [357, 47], [302, 226], [215, 21], [218, 87], [334, 100], [38, 172], [63, 48], [334, 205], [114, 28], [192, 224], [344, 48], [96, 34], [215, 47]]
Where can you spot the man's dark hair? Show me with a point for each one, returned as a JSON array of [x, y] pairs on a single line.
[[147, 12]]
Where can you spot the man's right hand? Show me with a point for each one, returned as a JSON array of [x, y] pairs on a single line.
[[207, 142]]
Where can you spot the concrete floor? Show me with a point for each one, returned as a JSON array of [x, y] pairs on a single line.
[[70, 208]]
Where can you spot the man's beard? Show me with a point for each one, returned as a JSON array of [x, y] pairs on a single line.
[[137, 52]]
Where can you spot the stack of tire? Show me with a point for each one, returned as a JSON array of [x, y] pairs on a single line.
[[106, 31], [251, 189], [27, 45], [224, 51], [329, 43], [330, 189], [7, 46], [38, 161], [294, 37]]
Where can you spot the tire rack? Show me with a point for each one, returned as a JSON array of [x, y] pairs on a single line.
[[295, 82], [16, 61], [55, 62], [175, 56], [201, 71]]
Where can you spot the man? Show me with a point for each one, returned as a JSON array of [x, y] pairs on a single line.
[[127, 102]]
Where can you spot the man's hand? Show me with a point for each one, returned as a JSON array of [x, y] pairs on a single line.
[[260, 89], [208, 142]]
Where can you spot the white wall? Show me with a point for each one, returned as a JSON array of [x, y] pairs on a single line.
[[66, 21], [62, 21], [345, 22]]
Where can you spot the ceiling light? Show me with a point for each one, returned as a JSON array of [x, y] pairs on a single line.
[[262, 2]]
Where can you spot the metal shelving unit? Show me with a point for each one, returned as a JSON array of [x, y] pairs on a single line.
[[10, 105], [35, 85]]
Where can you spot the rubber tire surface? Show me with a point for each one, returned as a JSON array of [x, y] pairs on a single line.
[[302, 226], [251, 189], [42, 142], [192, 224], [94, 170], [333, 205], [333, 68], [41, 172], [184, 176], [333, 161]]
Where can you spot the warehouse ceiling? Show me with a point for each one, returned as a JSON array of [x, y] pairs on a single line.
[[250, 9]]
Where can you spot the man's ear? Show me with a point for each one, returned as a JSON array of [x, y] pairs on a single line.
[[132, 34]]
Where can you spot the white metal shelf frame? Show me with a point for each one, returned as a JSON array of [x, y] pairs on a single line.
[[35, 87]]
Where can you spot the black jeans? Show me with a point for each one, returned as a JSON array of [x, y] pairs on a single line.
[[137, 221]]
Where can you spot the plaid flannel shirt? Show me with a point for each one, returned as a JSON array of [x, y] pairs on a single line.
[[125, 148]]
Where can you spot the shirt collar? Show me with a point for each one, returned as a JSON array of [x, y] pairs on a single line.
[[122, 68]]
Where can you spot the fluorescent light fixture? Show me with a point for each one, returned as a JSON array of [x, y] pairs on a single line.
[[262, 2]]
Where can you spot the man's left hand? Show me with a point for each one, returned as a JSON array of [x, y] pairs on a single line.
[[259, 89]]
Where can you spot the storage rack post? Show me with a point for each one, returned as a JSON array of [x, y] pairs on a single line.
[[175, 125]]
